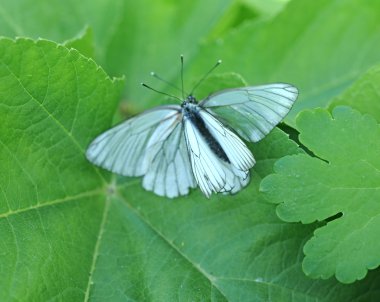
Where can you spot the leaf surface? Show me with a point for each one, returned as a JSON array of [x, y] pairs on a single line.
[[52, 101]]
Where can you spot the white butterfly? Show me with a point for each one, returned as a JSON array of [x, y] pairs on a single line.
[[178, 147]]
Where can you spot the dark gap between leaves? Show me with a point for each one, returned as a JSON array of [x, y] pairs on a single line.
[[293, 135]]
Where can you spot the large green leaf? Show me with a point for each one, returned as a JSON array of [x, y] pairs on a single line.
[[343, 180], [51, 202], [71, 232]]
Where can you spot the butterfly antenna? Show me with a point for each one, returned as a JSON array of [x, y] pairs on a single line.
[[160, 92], [183, 89], [205, 76], [153, 74]]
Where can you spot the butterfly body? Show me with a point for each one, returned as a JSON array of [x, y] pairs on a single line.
[[191, 113], [178, 147]]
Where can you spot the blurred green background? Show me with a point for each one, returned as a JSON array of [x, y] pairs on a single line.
[[319, 46]]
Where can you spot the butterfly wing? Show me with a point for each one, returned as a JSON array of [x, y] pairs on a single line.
[[150, 144], [213, 172], [252, 111]]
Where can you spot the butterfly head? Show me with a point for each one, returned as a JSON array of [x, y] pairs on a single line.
[[189, 100]]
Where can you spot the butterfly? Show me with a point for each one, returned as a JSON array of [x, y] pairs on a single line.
[[179, 147]]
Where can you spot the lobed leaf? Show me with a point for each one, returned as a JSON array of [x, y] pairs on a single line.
[[340, 184]]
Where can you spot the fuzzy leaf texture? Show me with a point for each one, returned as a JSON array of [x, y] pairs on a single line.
[[341, 183], [52, 102]]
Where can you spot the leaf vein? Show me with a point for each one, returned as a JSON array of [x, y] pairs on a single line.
[[97, 248], [53, 202], [209, 277]]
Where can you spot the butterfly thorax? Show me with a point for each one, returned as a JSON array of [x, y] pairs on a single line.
[[190, 110]]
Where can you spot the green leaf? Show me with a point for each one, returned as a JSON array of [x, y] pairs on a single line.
[[364, 94], [52, 102], [84, 43], [341, 183], [309, 44]]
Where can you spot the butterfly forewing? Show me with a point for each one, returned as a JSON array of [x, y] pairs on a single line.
[[252, 111], [124, 148]]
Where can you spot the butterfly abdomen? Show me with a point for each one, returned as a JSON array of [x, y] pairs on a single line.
[[192, 113]]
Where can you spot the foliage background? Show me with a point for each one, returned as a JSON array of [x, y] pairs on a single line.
[[72, 232]]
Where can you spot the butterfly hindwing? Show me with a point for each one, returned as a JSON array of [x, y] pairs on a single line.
[[252, 111], [235, 149], [215, 173], [170, 171]]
